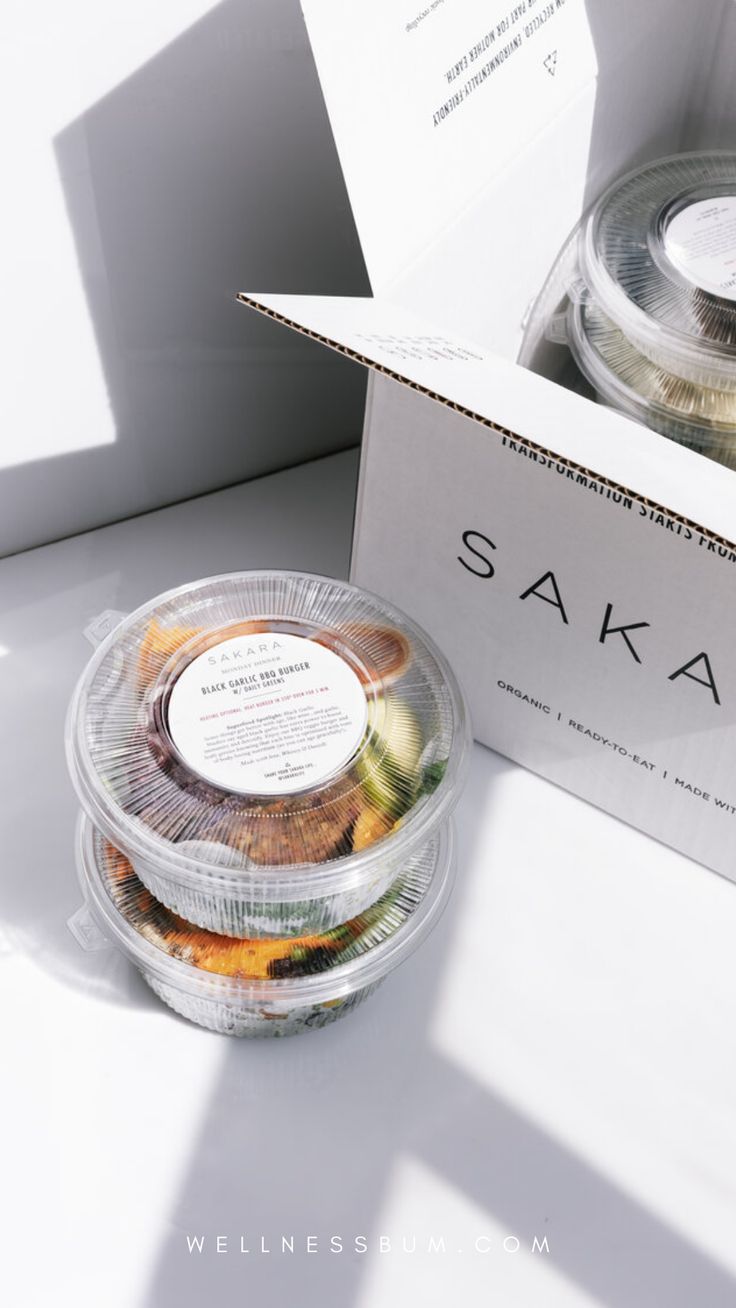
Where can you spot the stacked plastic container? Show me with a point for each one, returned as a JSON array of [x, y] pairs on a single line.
[[644, 294], [266, 764]]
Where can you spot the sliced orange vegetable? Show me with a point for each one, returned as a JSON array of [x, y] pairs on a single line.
[[387, 649], [158, 644], [369, 827], [223, 955]]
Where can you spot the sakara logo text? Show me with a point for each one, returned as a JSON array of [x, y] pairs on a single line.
[[477, 558]]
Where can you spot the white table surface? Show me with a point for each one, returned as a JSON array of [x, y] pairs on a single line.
[[557, 1062]]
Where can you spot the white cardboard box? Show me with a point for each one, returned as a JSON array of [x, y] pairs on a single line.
[[576, 568]]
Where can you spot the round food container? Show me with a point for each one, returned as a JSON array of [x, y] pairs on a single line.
[[657, 253], [263, 987], [268, 749], [623, 378]]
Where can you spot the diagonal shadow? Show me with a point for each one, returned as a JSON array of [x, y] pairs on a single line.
[[332, 1109], [600, 1237], [302, 1137], [210, 168]]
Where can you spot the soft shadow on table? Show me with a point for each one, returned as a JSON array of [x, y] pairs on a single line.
[[301, 1134], [39, 889], [301, 1138]]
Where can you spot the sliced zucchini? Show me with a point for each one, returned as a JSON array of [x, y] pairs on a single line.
[[390, 765]]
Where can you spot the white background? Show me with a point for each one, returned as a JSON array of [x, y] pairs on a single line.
[[156, 159]]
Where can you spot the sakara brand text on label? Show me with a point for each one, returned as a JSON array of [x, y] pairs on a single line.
[[267, 714]]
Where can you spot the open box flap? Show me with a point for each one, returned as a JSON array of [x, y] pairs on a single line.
[[514, 402], [429, 101]]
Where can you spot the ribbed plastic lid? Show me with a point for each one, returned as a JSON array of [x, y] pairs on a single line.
[[363, 949], [658, 254], [263, 722], [627, 379]]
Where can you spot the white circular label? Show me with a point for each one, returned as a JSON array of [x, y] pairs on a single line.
[[267, 714], [700, 241]]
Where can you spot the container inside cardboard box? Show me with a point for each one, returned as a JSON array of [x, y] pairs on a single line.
[[575, 566]]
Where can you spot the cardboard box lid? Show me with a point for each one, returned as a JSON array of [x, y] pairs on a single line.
[[430, 99], [512, 401]]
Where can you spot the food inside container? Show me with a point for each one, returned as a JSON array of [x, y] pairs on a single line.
[[657, 254], [643, 293], [268, 749], [622, 377], [273, 987]]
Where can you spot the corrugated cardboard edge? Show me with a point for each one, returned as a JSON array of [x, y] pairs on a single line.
[[486, 422]]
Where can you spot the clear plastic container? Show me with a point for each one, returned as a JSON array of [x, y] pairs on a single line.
[[268, 749], [700, 418], [261, 987], [657, 254]]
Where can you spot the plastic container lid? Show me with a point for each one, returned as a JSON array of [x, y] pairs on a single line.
[[703, 419], [267, 748], [658, 254], [273, 986]]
